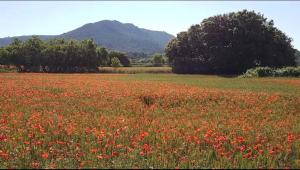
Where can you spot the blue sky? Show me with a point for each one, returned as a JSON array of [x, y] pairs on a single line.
[[54, 17]]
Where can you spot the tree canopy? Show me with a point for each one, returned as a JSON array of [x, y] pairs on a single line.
[[56, 55], [230, 44], [158, 60]]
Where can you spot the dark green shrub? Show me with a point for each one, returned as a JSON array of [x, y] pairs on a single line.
[[115, 62], [147, 100]]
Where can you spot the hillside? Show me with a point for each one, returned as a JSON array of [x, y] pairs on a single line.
[[113, 35]]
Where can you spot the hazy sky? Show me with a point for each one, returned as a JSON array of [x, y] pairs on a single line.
[[54, 17]]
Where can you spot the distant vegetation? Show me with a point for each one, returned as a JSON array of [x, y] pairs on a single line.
[[230, 44], [58, 55], [112, 35], [272, 72], [158, 60], [115, 62], [119, 57], [224, 44]]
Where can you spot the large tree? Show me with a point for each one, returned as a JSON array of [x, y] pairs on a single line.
[[32, 52], [102, 56], [16, 53], [4, 57], [230, 44]]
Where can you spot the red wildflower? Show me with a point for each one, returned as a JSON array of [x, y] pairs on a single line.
[[290, 138], [3, 138], [45, 155], [115, 153], [240, 139]]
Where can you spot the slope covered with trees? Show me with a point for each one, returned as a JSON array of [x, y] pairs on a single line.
[[230, 44], [113, 35]]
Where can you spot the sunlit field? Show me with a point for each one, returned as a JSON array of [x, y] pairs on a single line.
[[134, 70], [148, 121]]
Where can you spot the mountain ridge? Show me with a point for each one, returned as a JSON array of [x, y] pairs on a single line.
[[113, 35]]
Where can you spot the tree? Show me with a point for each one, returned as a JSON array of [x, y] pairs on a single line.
[[57, 55], [102, 56], [115, 62], [16, 53], [89, 57], [4, 57], [122, 58], [230, 44], [297, 56], [32, 52], [158, 60]]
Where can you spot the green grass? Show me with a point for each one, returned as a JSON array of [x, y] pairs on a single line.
[[280, 85], [7, 70], [134, 70]]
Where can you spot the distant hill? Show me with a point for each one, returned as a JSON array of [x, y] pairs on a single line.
[[113, 35]]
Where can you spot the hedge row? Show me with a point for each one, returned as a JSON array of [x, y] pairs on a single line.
[[272, 72]]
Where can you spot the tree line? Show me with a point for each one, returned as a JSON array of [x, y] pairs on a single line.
[[230, 44], [58, 55]]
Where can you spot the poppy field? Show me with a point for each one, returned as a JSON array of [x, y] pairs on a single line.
[[148, 121]]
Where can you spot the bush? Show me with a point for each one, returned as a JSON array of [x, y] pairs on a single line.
[[115, 62], [272, 72], [158, 60], [287, 72], [123, 58]]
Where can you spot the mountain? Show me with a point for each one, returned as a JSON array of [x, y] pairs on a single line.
[[113, 35]]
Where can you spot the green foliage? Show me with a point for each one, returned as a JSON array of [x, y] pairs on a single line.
[[273, 72], [56, 55], [115, 62], [16, 51], [230, 44], [4, 57], [123, 58], [32, 52], [103, 57], [158, 60], [7, 70]]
